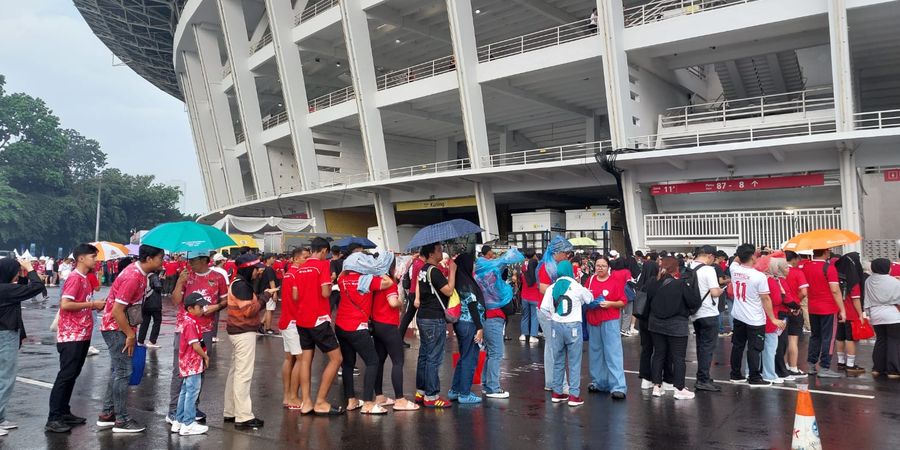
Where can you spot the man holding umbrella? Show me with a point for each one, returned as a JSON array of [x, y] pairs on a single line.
[[213, 287]]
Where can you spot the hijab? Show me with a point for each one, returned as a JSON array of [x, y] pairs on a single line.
[[563, 269], [465, 280], [881, 288]]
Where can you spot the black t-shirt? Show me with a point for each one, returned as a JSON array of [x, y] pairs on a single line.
[[267, 276], [337, 266], [428, 303]]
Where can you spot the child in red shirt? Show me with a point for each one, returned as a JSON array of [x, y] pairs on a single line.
[[192, 359]]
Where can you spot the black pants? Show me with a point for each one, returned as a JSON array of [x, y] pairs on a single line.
[[780, 366], [821, 339], [145, 325], [71, 360], [408, 316], [352, 343], [646, 349], [669, 352], [388, 343], [886, 354], [754, 339], [707, 335]]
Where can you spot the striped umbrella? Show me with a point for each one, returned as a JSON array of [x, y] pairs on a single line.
[[110, 250]]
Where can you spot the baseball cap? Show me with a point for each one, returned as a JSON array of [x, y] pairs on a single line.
[[219, 257], [195, 298], [196, 254], [613, 254], [248, 260]]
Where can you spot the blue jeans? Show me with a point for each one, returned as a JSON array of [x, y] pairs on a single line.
[[9, 356], [432, 336], [729, 305], [529, 325], [186, 413], [545, 323], [120, 365], [768, 357], [493, 343], [605, 357], [567, 345], [468, 357]]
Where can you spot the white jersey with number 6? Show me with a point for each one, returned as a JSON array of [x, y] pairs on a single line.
[[747, 284]]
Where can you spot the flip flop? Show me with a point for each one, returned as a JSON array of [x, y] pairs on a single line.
[[293, 407], [359, 404], [334, 411], [388, 402], [376, 410], [410, 406]]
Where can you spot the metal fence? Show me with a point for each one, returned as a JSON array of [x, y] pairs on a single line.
[[666, 9]]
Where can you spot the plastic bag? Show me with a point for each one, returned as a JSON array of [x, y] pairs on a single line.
[[489, 276]]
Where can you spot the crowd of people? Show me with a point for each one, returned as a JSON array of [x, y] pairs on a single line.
[[349, 305]]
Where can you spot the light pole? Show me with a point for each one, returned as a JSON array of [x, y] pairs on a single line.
[[97, 227]]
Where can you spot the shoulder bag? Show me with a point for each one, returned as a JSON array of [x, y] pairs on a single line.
[[453, 310]]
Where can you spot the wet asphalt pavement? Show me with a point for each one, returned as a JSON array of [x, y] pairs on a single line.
[[738, 417]]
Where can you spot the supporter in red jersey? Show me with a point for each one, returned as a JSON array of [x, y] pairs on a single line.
[[126, 291], [795, 287], [895, 269], [531, 297], [388, 342], [287, 323], [826, 307], [73, 338], [605, 344], [314, 326]]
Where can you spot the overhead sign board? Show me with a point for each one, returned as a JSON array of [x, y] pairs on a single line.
[[739, 184], [436, 204]]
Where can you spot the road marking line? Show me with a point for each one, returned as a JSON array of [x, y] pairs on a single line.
[[42, 384], [787, 388]]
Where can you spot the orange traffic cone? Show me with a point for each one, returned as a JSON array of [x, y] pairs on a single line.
[[806, 430]]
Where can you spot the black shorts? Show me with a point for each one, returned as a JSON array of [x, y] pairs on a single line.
[[795, 325], [321, 336], [844, 331]]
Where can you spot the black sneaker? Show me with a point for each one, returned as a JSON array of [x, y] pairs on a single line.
[[406, 345], [707, 386], [130, 426], [759, 383], [229, 419], [57, 426], [71, 419], [252, 423], [200, 416], [593, 389], [617, 395], [106, 419]]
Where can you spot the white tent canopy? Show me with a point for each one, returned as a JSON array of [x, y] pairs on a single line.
[[231, 223], [27, 255]]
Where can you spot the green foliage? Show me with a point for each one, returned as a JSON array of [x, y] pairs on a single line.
[[49, 179]]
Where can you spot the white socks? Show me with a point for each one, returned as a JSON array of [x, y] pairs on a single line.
[[842, 357], [851, 360]]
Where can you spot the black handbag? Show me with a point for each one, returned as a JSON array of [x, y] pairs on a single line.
[[640, 307]]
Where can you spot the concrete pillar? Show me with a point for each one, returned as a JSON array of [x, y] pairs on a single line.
[[487, 211], [387, 222], [211, 68], [445, 149], [840, 65], [615, 70], [462, 32], [634, 211], [851, 215], [507, 141], [205, 142], [362, 71], [287, 57], [595, 128], [314, 211], [234, 28]]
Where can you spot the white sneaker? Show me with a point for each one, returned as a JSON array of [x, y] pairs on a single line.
[[3, 432], [668, 386], [790, 378], [658, 391], [533, 340], [646, 384], [152, 345], [684, 394], [776, 380], [92, 351], [7, 425], [499, 394], [193, 429], [176, 427], [634, 331], [522, 338]]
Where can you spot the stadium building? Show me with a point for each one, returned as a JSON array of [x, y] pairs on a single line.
[[696, 121]]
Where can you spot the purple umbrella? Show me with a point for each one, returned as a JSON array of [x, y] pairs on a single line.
[[133, 249]]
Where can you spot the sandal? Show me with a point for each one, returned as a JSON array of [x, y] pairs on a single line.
[[376, 410], [334, 411], [293, 407], [410, 406], [359, 404], [387, 402]]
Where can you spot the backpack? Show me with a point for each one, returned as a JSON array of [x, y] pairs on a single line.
[[691, 289]]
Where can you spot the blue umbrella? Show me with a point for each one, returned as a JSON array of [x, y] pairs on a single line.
[[348, 241], [443, 231]]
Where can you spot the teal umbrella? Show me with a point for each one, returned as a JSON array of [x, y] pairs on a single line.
[[187, 237]]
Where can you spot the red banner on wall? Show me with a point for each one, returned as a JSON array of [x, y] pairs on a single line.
[[892, 175], [740, 184]]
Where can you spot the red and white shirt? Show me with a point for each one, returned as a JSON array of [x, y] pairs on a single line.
[[75, 326], [613, 290], [212, 286], [189, 361], [128, 289], [290, 308], [354, 310], [313, 309], [382, 312], [821, 301], [795, 281]]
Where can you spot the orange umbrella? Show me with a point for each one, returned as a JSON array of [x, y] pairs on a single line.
[[110, 250], [821, 239]]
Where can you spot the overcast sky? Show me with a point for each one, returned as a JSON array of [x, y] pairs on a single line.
[[48, 51]]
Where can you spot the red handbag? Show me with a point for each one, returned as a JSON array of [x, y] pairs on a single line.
[[861, 330]]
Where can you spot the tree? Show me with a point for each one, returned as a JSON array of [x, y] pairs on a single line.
[[84, 156]]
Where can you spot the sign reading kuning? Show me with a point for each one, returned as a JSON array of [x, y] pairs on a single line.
[[436, 204]]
